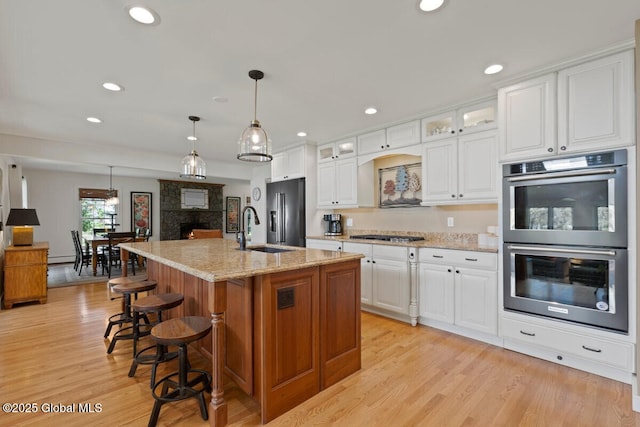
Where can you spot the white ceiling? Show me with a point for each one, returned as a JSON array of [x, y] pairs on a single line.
[[324, 62]]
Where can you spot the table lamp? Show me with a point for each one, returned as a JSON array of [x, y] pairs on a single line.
[[22, 220]]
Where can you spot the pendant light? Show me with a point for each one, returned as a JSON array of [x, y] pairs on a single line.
[[254, 144], [193, 166], [112, 195]]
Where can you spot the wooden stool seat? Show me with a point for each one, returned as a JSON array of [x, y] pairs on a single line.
[[126, 289], [135, 287], [186, 382], [122, 281], [151, 304], [125, 280]]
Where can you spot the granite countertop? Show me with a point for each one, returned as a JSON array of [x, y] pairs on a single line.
[[220, 259], [455, 241]]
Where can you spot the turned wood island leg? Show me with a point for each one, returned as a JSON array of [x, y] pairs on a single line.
[[217, 305]]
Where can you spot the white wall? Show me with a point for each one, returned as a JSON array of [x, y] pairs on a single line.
[[55, 197]]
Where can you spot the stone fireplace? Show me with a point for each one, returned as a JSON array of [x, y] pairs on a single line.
[[176, 223]]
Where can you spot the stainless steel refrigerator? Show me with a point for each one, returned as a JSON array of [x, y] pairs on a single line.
[[286, 212]]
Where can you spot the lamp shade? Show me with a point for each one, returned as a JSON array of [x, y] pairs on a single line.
[[22, 221], [23, 217]]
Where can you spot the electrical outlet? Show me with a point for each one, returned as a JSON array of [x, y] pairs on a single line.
[[450, 221], [349, 222]]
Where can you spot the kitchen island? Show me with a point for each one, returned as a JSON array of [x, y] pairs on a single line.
[[284, 325]]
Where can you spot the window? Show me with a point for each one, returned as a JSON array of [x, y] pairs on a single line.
[[94, 210], [97, 214]]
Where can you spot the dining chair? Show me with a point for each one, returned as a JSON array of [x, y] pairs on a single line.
[[83, 258], [113, 251]]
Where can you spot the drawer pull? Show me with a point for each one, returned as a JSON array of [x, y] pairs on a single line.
[[471, 259], [529, 334], [437, 256], [595, 350]]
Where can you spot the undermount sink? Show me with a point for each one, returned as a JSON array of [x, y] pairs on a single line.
[[268, 249]]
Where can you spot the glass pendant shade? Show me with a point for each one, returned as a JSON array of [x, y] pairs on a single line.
[[192, 165], [254, 144], [113, 194]]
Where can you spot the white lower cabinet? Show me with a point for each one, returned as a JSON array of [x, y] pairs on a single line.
[[458, 288], [587, 350], [385, 278], [326, 244]]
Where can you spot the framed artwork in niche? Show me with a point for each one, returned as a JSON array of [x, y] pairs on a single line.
[[233, 214], [400, 186], [140, 211]]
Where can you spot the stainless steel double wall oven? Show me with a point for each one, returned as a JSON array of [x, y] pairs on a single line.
[[565, 234]]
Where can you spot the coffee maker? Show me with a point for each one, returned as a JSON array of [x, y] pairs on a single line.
[[333, 224]]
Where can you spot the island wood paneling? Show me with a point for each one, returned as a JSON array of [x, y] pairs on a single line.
[[340, 321]]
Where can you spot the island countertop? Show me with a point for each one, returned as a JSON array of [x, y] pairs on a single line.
[[221, 259]]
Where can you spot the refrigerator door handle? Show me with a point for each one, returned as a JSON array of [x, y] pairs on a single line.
[[280, 206], [272, 221]]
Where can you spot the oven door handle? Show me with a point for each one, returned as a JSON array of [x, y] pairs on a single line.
[[584, 172], [560, 250]]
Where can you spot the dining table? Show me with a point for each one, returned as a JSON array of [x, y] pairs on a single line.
[[95, 241]]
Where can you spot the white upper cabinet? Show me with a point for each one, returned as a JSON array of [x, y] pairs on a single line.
[[595, 104], [288, 164], [472, 118], [586, 107], [403, 135], [527, 118], [342, 149], [343, 184], [460, 170], [372, 142]]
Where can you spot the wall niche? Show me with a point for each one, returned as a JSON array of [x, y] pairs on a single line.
[[175, 222]]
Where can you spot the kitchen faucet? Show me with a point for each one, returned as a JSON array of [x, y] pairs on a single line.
[[240, 237]]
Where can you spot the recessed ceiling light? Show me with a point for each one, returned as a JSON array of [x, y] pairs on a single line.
[[94, 120], [429, 5], [143, 15], [192, 138], [302, 134], [371, 110], [493, 69], [114, 87], [220, 99]]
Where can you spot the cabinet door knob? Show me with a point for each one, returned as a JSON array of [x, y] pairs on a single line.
[[382, 147], [368, 260], [563, 148], [457, 271], [459, 195], [387, 145], [452, 131], [550, 150], [449, 270], [453, 196], [460, 130]]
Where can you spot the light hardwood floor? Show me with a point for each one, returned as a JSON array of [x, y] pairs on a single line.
[[55, 354]]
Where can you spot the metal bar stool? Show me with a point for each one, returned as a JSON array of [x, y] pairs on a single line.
[[186, 382], [126, 289], [151, 304]]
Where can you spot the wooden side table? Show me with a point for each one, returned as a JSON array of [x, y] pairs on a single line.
[[25, 274]]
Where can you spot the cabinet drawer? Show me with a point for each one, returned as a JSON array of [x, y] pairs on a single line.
[[26, 257], [358, 248], [617, 354], [470, 259], [397, 253]]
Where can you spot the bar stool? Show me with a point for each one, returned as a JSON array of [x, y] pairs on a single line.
[[180, 332], [125, 317], [151, 304], [123, 281]]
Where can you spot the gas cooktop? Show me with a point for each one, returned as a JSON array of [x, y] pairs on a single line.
[[387, 238]]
